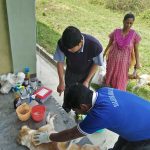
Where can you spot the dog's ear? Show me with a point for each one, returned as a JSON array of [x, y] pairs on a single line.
[[24, 127], [24, 130], [50, 117]]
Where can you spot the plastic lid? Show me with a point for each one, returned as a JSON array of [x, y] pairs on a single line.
[[33, 96], [16, 89], [26, 69]]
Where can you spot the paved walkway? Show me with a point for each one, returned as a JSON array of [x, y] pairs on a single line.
[[47, 73]]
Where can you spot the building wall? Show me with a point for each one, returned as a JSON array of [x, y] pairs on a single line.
[[22, 32], [5, 52]]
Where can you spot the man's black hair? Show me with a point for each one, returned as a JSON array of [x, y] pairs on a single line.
[[129, 15], [71, 37], [78, 94]]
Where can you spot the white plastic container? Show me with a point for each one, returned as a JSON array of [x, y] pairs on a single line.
[[11, 81]]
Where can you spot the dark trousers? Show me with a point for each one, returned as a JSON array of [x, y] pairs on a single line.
[[123, 144], [70, 79]]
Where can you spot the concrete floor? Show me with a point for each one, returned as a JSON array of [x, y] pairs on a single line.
[[47, 73], [10, 124]]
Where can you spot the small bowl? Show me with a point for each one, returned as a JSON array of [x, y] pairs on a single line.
[[38, 113], [23, 112]]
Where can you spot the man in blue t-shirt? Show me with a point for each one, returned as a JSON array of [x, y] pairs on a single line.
[[121, 112]]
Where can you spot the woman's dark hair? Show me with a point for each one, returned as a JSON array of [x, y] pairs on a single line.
[[71, 37], [78, 94], [129, 15]]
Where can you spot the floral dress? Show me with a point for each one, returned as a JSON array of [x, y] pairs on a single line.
[[119, 56]]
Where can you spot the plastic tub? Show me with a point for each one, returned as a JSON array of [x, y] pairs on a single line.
[[23, 112], [38, 113]]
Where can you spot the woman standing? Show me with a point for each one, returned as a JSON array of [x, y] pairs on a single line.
[[121, 44]]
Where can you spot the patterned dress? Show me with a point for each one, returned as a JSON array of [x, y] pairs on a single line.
[[119, 56]]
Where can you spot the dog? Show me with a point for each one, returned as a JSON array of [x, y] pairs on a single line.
[[25, 135], [143, 79], [25, 138]]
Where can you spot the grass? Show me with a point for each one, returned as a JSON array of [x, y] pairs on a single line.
[[55, 15], [47, 37]]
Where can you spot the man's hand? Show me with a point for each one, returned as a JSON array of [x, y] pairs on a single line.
[[86, 84], [60, 88], [137, 66], [41, 137]]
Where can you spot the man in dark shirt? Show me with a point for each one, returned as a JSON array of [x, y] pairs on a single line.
[[82, 54]]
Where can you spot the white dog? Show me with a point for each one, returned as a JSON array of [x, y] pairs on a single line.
[[25, 138], [143, 80]]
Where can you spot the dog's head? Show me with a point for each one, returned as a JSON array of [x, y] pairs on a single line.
[[25, 136], [144, 79]]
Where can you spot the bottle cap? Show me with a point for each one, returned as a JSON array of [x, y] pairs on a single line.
[[33, 96], [26, 69]]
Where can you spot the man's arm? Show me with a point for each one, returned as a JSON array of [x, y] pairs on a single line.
[[60, 70], [137, 65], [66, 135], [60, 57], [98, 61], [85, 127], [90, 75], [108, 46]]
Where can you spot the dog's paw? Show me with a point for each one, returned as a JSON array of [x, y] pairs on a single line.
[[50, 117]]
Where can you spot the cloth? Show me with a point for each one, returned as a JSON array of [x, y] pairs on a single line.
[[119, 58], [87, 56], [60, 57], [121, 112], [123, 144]]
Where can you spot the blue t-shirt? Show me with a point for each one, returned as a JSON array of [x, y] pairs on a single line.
[[121, 112]]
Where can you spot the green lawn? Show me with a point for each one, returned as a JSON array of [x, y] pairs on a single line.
[[55, 15]]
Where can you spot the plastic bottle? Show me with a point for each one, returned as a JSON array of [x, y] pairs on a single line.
[[27, 76], [24, 93], [9, 83], [31, 98], [17, 100], [33, 83], [16, 91], [39, 84], [26, 71]]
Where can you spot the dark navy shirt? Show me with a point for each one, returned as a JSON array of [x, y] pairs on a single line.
[[60, 57], [90, 51], [121, 112]]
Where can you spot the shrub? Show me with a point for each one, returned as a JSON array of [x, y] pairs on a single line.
[[97, 2], [128, 5], [146, 15]]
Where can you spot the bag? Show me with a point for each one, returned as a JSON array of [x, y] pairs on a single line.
[[99, 75]]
